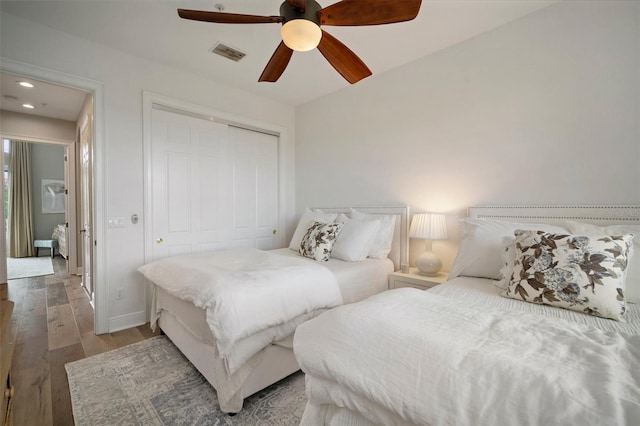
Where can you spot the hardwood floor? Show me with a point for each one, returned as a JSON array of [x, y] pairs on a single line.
[[54, 323]]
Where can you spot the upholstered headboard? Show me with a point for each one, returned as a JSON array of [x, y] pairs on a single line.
[[400, 246], [598, 215]]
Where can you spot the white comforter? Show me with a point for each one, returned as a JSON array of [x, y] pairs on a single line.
[[247, 291], [411, 357]]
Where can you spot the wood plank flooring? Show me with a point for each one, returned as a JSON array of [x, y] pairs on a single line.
[[54, 323]]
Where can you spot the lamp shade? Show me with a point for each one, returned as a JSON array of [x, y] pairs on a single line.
[[428, 226], [301, 34]]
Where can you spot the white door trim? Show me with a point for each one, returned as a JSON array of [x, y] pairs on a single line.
[[38, 140], [100, 243], [150, 99], [70, 153], [71, 230]]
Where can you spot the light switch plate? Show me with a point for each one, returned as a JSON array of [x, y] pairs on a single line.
[[115, 222]]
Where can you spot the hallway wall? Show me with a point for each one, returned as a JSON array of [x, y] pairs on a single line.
[[47, 162]]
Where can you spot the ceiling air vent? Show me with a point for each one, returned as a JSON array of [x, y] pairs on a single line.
[[228, 52]]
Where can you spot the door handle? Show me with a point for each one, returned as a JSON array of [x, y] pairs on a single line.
[[275, 231], [159, 240]]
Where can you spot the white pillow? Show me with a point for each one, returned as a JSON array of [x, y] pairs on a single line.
[[308, 217], [483, 241], [632, 284], [355, 239], [382, 243]]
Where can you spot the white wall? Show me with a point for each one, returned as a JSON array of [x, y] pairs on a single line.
[[35, 128], [544, 110], [47, 159], [124, 78], [47, 162]]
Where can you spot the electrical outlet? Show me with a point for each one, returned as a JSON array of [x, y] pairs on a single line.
[[119, 293]]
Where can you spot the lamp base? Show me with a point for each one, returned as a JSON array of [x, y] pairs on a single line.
[[428, 264]]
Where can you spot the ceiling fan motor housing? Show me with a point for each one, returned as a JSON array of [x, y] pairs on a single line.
[[290, 13]]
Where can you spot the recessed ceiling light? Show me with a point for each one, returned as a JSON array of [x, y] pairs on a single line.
[[29, 106], [25, 84]]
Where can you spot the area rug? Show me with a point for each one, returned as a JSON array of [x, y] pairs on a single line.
[[23, 267], [152, 383]]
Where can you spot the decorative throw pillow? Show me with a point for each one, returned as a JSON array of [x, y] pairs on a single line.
[[483, 242], [576, 272], [308, 217], [318, 241], [508, 258], [632, 284]]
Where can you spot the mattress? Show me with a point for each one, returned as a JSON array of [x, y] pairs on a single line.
[[335, 397], [356, 280], [484, 292]]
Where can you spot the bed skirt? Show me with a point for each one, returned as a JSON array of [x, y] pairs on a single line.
[[273, 363]]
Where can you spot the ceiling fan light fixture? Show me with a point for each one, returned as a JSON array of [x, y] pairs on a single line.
[[301, 35]]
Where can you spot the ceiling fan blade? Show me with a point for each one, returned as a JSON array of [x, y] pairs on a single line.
[[343, 59], [277, 64], [369, 12], [299, 5], [227, 18]]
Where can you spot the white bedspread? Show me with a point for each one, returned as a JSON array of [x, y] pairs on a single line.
[[247, 291], [436, 361]]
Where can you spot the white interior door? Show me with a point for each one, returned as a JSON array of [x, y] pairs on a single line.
[[254, 188], [86, 203], [213, 186], [67, 204], [71, 212]]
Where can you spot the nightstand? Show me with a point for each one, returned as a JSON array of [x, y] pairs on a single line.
[[415, 279]]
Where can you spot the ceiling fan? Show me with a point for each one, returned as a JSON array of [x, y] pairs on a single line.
[[301, 21]]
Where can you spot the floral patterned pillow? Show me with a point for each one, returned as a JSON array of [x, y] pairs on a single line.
[[581, 273], [318, 241]]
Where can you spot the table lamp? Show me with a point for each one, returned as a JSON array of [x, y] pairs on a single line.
[[428, 226]]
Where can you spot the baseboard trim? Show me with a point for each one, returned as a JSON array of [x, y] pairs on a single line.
[[123, 322]]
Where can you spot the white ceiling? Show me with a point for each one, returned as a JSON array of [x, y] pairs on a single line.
[[153, 30], [49, 100]]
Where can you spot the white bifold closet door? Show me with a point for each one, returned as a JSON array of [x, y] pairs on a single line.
[[214, 186]]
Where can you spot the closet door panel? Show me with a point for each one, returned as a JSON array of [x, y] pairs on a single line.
[[255, 188], [213, 186]]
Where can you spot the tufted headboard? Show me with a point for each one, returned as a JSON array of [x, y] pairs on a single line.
[[597, 215]]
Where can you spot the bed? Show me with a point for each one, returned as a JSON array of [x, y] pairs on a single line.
[[468, 353], [264, 355], [60, 234]]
